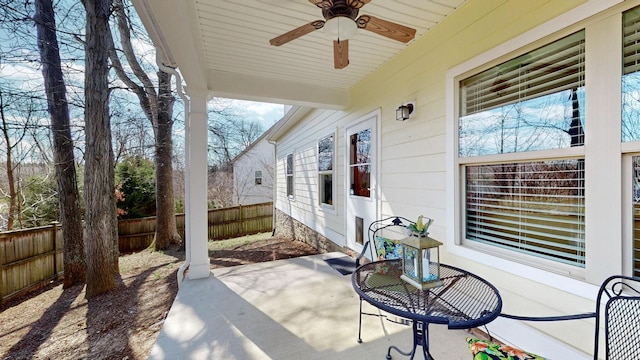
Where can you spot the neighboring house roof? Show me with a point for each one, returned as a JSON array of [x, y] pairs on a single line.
[[252, 145], [293, 115]]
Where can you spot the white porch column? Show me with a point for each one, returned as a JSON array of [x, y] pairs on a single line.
[[196, 195]]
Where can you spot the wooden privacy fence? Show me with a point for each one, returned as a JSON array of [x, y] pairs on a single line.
[[29, 258], [136, 234], [32, 257]]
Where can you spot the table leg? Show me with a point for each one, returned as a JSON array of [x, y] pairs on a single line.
[[420, 338], [425, 341]]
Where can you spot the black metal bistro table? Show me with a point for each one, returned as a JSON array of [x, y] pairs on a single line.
[[464, 300]]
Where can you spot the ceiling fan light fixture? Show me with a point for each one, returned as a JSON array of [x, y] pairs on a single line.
[[341, 22], [340, 28]]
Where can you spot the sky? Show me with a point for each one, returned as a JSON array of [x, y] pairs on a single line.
[[27, 75], [266, 114]]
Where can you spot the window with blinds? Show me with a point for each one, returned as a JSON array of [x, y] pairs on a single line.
[[631, 75], [535, 208], [289, 175], [258, 177], [636, 217], [326, 149], [532, 102], [527, 204], [631, 115]]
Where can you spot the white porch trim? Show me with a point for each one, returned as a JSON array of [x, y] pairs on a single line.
[[196, 195]]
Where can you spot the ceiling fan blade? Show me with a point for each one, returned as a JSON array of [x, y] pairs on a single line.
[[322, 4], [296, 33], [386, 28], [340, 54], [357, 4]]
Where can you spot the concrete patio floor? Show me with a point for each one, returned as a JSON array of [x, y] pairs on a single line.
[[297, 308]]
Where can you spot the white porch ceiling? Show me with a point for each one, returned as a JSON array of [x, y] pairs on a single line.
[[222, 46]]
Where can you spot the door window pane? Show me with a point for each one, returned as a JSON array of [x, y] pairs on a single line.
[[360, 166], [360, 180], [361, 147]]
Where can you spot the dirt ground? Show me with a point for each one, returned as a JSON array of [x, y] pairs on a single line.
[[123, 323]]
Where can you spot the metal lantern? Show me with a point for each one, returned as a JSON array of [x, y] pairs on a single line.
[[421, 262]]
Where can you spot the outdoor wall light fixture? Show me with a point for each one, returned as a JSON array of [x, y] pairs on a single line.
[[404, 111]]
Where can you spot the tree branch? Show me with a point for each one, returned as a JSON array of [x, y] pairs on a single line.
[[127, 48], [137, 89]]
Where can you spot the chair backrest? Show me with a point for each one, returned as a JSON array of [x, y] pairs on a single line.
[[384, 236], [618, 305]]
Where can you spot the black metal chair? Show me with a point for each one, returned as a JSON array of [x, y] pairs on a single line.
[[617, 312], [383, 244]]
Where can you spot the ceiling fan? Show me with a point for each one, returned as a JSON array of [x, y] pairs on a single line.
[[341, 22]]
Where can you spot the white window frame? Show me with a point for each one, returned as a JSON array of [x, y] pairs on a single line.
[[602, 256], [324, 206], [256, 177], [629, 150], [484, 241], [628, 262], [290, 196]]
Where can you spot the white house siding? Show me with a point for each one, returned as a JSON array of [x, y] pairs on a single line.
[[417, 170], [260, 157], [305, 206]]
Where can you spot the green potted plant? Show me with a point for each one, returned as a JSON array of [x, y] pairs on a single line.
[[421, 227]]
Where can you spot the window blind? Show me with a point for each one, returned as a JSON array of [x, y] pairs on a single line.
[[631, 64], [535, 208], [631, 75], [631, 41], [549, 69], [289, 175]]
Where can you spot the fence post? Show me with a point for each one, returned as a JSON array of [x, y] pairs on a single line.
[[3, 259], [54, 233], [241, 219]]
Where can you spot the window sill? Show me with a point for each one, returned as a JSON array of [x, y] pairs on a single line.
[[329, 209], [565, 282]]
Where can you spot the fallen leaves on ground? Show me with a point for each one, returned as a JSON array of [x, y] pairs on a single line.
[[123, 323]]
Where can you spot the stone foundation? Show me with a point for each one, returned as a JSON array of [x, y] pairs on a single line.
[[288, 227]]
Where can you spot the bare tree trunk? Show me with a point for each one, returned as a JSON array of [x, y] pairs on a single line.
[[159, 110], [99, 188], [75, 266], [166, 230], [9, 166]]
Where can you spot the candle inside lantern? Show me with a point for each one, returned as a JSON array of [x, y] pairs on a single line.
[[426, 275]]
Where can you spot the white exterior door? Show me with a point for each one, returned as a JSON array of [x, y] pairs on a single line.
[[361, 179]]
